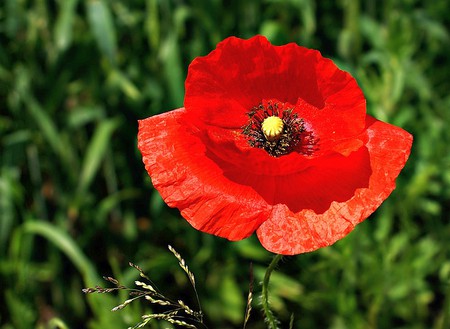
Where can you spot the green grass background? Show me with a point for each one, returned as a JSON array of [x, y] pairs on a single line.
[[76, 202]]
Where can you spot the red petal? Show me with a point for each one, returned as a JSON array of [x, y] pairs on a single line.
[[224, 85], [297, 181], [335, 128], [289, 232], [187, 179]]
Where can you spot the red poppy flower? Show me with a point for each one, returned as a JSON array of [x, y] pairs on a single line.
[[272, 139]]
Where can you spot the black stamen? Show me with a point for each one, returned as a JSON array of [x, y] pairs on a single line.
[[294, 136]]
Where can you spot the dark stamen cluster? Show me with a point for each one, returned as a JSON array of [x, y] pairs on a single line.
[[293, 137]]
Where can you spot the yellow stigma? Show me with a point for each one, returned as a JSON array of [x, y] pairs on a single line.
[[272, 127]]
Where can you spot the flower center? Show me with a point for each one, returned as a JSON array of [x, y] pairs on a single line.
[[275, 128], [272, 127]]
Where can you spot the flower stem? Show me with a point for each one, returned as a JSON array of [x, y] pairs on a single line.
[[270, 318]]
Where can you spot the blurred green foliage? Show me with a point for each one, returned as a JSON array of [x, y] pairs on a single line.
[[76, 202]]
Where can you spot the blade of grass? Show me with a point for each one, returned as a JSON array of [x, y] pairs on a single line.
[[101, 304], [117, 78], [95, 153], [170, 57], [64, 24], [10, 193], [67, 245], [101, 22], [152, 23], [50, 132]]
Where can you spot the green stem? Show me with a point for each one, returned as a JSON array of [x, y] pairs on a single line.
[[271, 320]]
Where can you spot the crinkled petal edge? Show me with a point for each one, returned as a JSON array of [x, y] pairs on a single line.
[[291, 233]]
